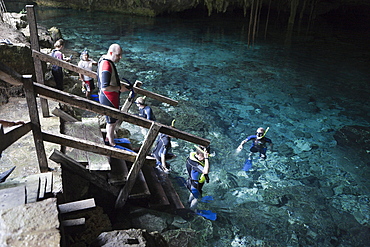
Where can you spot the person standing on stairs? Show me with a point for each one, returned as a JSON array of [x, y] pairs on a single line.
[[110, 86]]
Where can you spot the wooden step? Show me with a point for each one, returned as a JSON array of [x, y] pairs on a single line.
[[76, 206], [89, 130], [158, 198]]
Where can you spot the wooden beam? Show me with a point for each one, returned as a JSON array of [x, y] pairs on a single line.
[[139, 162], [34, 39], [73, 222], [63, 115], [35, 123], [129, 101], [76, 206], [93, 147], [74, 166], [92, 74], [9, 75], [85, 104], [47, 58], [12, 136]]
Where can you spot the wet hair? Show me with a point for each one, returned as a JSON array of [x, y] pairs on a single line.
[[59, 43], [200, 150]]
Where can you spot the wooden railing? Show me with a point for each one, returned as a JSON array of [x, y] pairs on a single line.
[[33, 89]]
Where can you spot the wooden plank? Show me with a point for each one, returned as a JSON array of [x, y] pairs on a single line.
[[74, 166], [34, 39], [63, 115], [32, 190], [49, 182], [119, 171], [13, 135], [42, 187], [35, 120], [73, 222], [139, 162], [76, 206], [75, 130], [171, 192], [96, 107], [12, 197], [140, 188], [92, 74], [91, 129], [93, 147], [10, 76], [129, 101], [158, 198]]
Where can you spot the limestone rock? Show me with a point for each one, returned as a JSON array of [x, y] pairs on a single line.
[[130, 237], [32, 223]]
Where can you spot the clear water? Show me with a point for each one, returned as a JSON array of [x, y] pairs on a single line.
[[304, 93]]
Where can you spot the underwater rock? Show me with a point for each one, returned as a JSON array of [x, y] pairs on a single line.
[[150, 222], [130, 237], [301, 145], [354, 136]]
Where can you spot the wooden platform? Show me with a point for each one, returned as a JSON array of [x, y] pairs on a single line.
[[89, 130]]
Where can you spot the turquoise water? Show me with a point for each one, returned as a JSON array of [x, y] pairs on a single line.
[[310, 191]]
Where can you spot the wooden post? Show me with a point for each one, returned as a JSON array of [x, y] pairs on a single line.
[[35, 122], [139, 162], [128, 103], [13, 135], [34, 39]]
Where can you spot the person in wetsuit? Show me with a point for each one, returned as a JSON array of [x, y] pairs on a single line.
[[197, 166], [110, 86], [259, 143], [144, 110], [162, 151]]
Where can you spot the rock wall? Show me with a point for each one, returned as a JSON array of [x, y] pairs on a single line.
[[158, 7]]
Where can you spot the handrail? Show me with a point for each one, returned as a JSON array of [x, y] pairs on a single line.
[[47, 58], [85, 104]]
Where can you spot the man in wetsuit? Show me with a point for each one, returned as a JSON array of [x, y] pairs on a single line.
[[259, 143], [110, 86]]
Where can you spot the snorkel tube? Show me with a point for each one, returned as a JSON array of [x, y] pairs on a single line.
[[267, 129]]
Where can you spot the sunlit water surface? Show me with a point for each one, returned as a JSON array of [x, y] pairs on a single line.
[[309, 191]]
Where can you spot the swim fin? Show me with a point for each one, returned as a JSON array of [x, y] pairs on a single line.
[[127, 149], [121, 140], [206, 199], [247, 165], [208, 214]]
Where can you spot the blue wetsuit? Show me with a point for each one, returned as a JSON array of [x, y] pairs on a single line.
[[163, 146], [147, 113], [195, 170], [258, 145]]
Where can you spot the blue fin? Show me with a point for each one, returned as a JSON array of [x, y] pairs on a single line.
[[207, 199], [247, 165], [122, 140], [127, 149], [95, 97], [208, 214]]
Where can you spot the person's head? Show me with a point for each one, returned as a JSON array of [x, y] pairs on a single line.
[[114, 53], [200, 153], [85, 55], [260, 132], [59, 44], [140, 102]]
